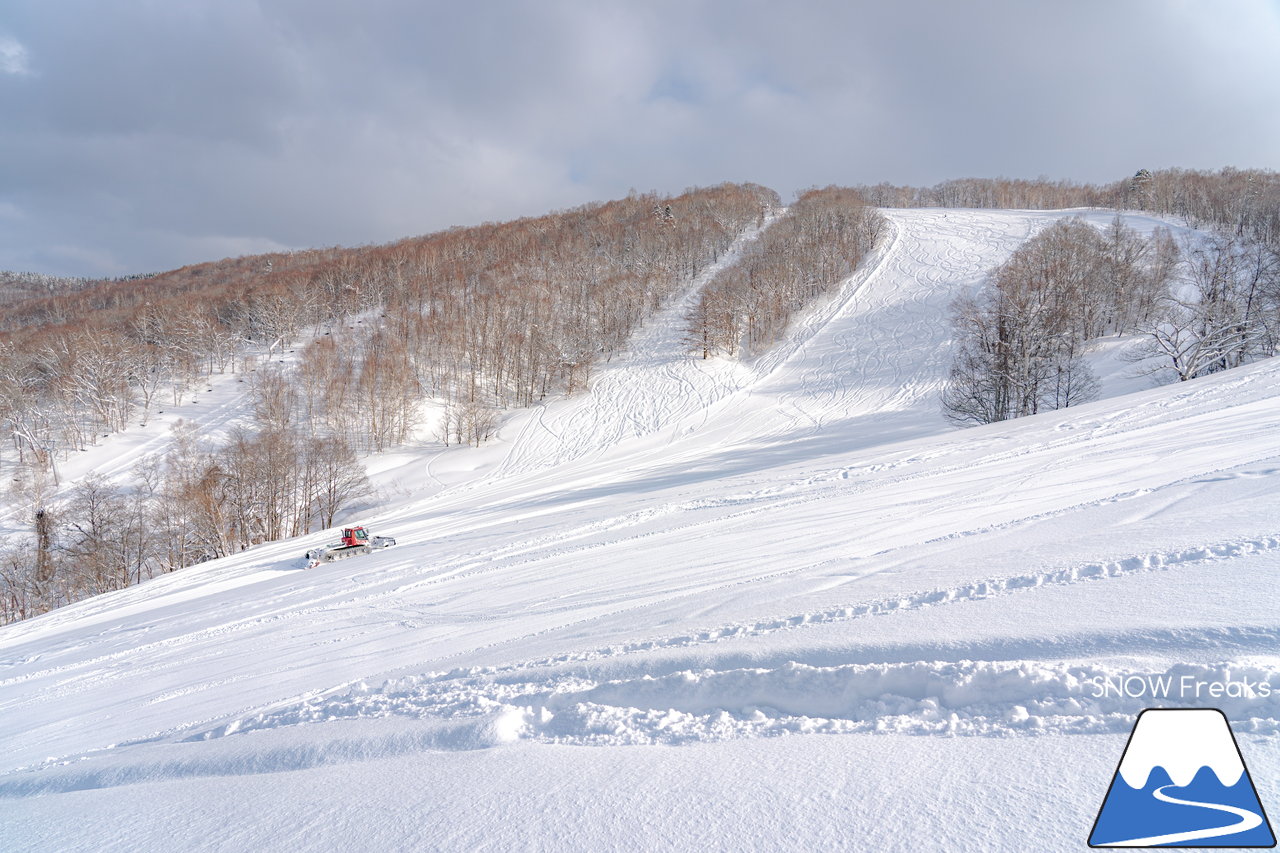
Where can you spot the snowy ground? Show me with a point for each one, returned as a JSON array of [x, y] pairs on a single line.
[[780, 605]]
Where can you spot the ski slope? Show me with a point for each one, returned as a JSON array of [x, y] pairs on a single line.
[[710, 605]]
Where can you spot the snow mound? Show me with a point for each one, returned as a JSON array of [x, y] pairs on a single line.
[[990, 698]]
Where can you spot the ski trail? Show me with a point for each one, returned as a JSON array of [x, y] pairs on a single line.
[[869, 362], [651, 385], [863, 365], [1248, 820]]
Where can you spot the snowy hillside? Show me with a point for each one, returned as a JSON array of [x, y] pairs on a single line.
[[709, 605]]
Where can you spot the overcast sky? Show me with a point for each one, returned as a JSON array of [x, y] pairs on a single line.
[[139, 135]]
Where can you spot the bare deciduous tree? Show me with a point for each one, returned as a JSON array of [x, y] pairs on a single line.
[[1019, 344]]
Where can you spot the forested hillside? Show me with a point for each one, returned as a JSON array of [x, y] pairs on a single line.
[[343, 350], [475, 320], [812, 248]]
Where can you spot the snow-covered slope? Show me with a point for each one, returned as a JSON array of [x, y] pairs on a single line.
[[593, 629]]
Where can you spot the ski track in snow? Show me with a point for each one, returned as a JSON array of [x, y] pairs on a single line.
[[922, 697], [918, 697], [651, 385], [672, 461], [485, 709]]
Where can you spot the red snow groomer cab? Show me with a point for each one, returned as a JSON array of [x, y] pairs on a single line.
[[355, 540]]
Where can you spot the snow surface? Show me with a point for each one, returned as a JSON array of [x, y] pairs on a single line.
[[775, 605]]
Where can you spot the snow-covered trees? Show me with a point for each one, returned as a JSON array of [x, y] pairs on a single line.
[[104, 541], [1224, 313], [1020, 341], [813, 247], [1241, 203], [1014, 356], [18, 286]]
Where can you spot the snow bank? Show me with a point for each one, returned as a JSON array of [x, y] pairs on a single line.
[[919, 698]]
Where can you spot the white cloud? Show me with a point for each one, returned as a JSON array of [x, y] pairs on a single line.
[[13, 57]]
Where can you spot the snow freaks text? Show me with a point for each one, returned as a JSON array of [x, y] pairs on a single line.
[[1185, 687]]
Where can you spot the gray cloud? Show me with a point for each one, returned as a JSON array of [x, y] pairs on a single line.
[[143, 135]]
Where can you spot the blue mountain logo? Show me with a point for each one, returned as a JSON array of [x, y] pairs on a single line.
[[1182, 783]]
